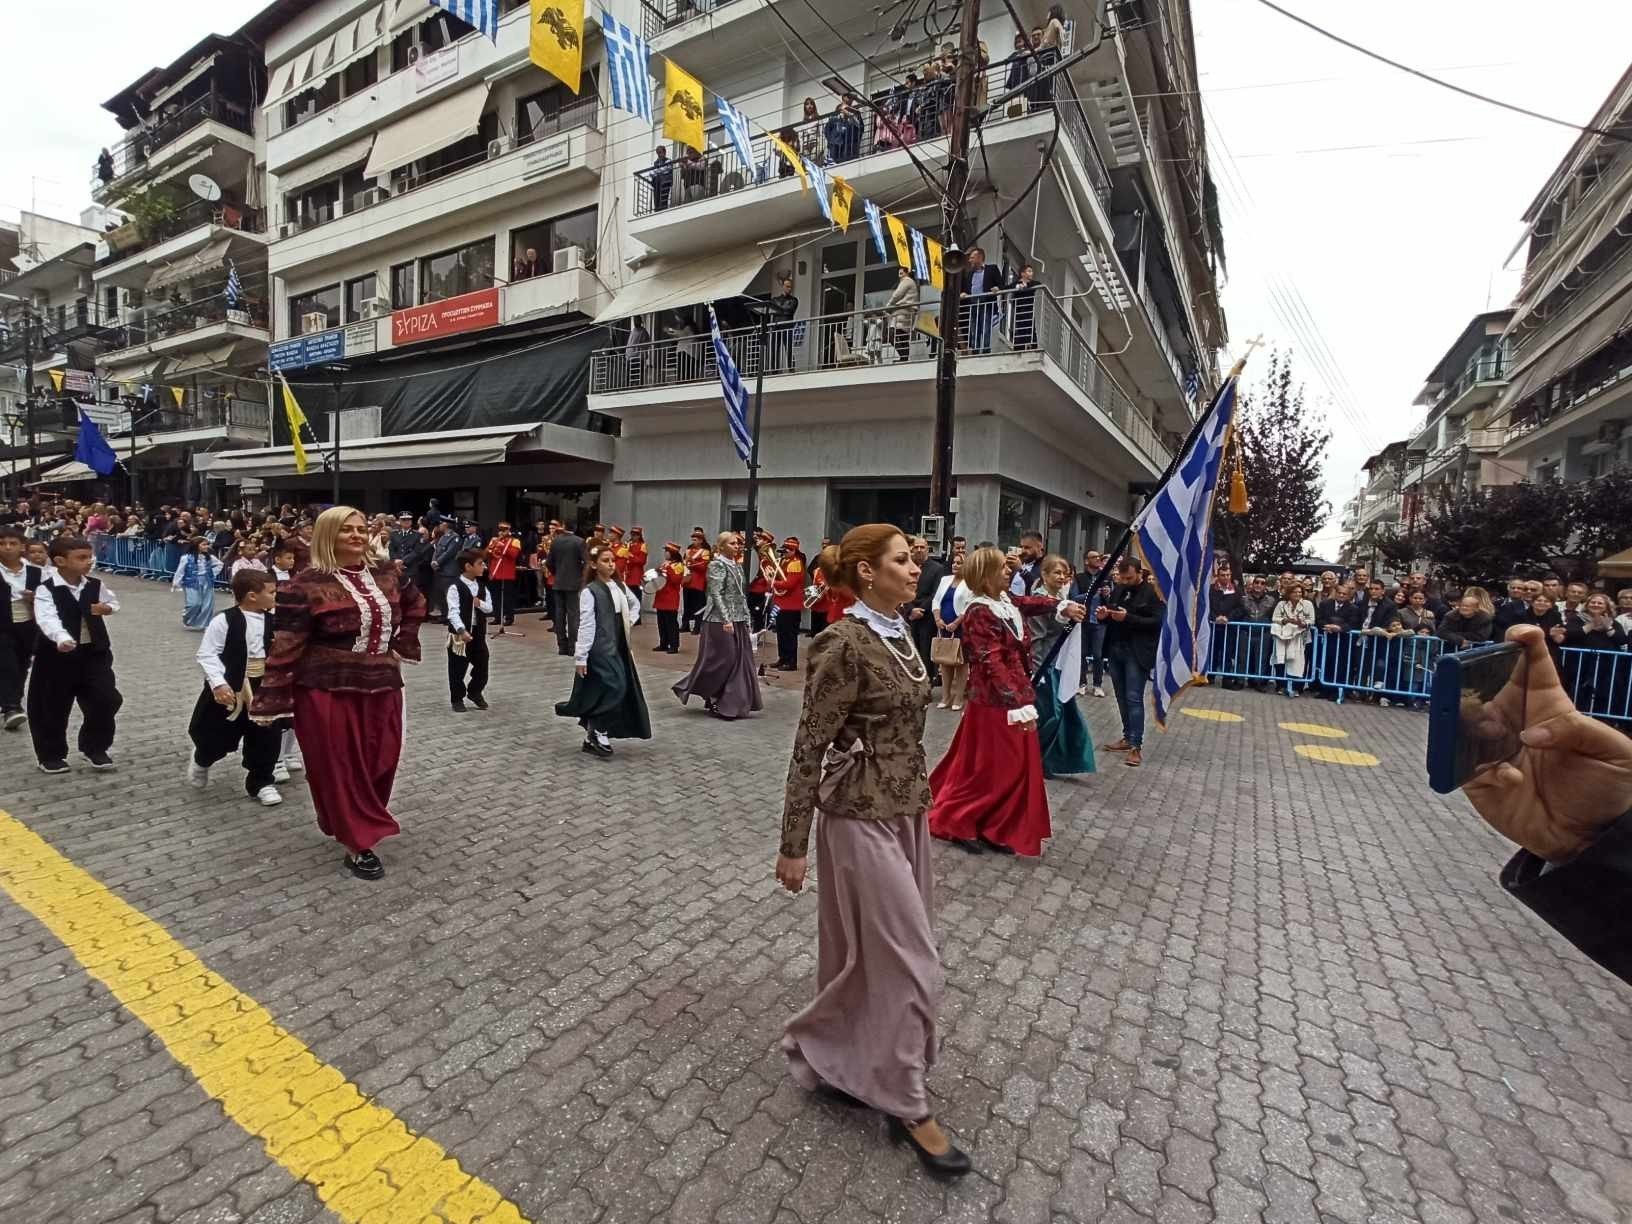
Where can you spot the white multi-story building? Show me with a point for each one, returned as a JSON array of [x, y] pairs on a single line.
[[1454, 450]]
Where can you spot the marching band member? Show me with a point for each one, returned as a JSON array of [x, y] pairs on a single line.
[[634, 569], [788, 592], [696, 589], [671, 572], [725, 674], [606, 697], [759, 585], [503, 552], [233, 658]]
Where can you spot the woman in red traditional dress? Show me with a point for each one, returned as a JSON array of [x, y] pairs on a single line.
[[988, 788], [342, 631]]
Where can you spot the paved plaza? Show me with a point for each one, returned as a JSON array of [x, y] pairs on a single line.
[[1269, 976]]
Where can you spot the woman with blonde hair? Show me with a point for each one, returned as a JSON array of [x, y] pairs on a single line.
[[342, 631], [954, 676], [868, 1038], [725, 674], [988, 788]]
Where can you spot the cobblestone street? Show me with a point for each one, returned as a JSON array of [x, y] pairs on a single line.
[[1244, 982]]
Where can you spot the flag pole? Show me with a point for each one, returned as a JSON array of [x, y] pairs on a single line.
[[749, 554]]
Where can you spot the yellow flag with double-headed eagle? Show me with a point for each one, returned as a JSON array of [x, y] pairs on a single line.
[[297, 422], [844, 198], [682, 106], [898, 236], [555, 40]]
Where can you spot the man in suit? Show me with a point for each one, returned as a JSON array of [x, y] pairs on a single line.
[[1224, 605], [567, 562], [981, 284], [1374, 615], [920, 615], [1030, 571]]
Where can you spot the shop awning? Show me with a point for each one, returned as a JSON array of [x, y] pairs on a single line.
[[206, 359], [664, 284], [425, 131], [451, 448], [205, 259], [1603, 216], [326, 166], [146, 370], [1590, 335], [75, 470]]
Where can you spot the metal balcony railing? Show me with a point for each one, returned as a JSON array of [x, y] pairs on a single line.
[[864, 339], [150, 325], [129, 239], [135, 151], [909, 117]]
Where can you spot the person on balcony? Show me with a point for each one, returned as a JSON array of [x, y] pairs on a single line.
[[812, 139], [783, 307], [661, 176], [903, 312], [635, 351], [843, 131], [693, 177], [104, 167], [981, 285], [527, 265], [1023, 308]]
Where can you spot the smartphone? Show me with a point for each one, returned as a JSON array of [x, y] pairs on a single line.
[[1475, 713]]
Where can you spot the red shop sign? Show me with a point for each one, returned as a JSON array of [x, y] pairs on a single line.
[[449, 317]]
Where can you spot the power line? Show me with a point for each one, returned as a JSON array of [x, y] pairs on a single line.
[[1441, 82]]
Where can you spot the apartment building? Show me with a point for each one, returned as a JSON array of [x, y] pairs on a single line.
[[1076, 401], [1455, 449], [1378, 506], [1569, 393]]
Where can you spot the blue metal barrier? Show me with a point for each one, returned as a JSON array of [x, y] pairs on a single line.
[[1400, 668], [1245, 650], [138, 556], [1598, 681]]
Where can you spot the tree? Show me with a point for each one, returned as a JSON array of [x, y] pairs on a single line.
[[1602, 514], [1484, 536], [1283, 456]]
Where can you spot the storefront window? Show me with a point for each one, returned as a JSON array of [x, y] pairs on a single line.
[[903, 505], [1017, 511], [462, 270]]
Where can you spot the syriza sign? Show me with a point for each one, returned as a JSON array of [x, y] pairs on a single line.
[[449, 317]]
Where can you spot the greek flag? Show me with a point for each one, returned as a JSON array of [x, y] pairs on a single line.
[[235, 287], [1192, 387], [627, 57], [1174, 534], [920, 256], [824, 193], [875, 222], [736, 395], [483, 14], [736, 127]]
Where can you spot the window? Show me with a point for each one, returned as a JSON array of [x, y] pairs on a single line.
[[402, 286], [577, 229], [432, 34], [462, 270], [554, 109], [311, 101], [1017, 511], [314, 205], [324, 301], [361, 73], [903, 505], [459, 155], [358, 293]]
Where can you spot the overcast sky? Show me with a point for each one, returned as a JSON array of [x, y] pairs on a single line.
[[1366, 209]]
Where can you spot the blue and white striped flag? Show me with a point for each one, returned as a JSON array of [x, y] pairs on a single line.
[[1192, 388], [627, 58], [920, 256], [235, 287], [818, 184], [736, 127], [483, 14], [875, 222], [1174, 534], [736, 395]]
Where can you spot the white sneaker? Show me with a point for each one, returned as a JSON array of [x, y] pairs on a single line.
[[1098, 692], [294, 764], [197, 775], [268, 796], [1082, 690], [280, 772]]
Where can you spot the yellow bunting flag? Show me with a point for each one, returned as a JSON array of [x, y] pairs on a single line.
[[682, 106], [56, 379], [793, 159], [297, 422], [898, 235], [844, 197], [936, 276], [179, 393], [555, 40]]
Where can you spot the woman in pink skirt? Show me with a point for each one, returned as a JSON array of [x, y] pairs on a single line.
[[868, 1038]]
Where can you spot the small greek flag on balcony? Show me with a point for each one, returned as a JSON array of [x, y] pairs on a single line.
[[483, 14], [736, 127], [735, 394], [627, 57], [1192, 388], [875, 222], [235, 287]]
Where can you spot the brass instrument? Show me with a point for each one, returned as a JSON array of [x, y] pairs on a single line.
[[770, 565]]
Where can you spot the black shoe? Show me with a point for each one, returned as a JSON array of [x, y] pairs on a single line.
[[15, 719], [100, 760], [458, 707], [595, 748], [954, 1162], [479, 702], [839, 1096], [994, 847], [54, 767], [365, 866]]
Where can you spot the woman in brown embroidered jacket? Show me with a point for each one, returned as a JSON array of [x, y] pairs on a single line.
[[868, 1037]]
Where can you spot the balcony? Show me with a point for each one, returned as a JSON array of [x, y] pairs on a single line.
[[710, 36], [572, 155], [199, 336], [1048, 370], [1480, 383], [158, 150], [125, 256]]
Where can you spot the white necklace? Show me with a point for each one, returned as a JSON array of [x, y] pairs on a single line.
[[907, 659]]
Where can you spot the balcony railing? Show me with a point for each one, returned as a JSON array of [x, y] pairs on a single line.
[[149, 326], [583, 113], [866, 339], [1479, 370], [129, 240], [134, 152], [659, 16], [909, 118]]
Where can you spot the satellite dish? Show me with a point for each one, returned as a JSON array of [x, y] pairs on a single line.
[[204, 187]]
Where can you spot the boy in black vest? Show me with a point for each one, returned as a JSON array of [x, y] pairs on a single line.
[[73, 660], [233, 656], [469, 605], [17, 632]]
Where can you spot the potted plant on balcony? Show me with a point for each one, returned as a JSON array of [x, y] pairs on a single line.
[[153, 212]]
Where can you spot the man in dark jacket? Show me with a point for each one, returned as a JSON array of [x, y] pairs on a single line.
[[567, 563], [1566, 799], [1371, 657], [1224, 605], [920, 615], [444, 563], [1132, 616], [783, 307]]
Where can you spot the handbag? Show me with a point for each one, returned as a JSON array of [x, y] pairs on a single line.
[[947, 651]]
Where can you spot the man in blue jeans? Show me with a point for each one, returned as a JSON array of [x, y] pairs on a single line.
[[1083, 589], [1132, 617]]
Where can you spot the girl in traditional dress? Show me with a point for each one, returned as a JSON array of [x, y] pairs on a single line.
[[725, 674], [342, 632], [988, 787], [196, 575], [1062, 732], [606, 698], [868, 1037]]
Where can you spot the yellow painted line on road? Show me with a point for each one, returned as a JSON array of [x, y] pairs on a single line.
[[365, 1165], [1318, 730], [1206, 715], [1335, 756]]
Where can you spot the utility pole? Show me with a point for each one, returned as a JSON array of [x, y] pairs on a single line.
[[28, 383], [957, 181]]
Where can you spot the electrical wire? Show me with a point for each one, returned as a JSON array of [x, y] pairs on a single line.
[[1443, 84]]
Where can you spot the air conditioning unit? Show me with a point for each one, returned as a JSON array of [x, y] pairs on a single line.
[[497, 147], [400, 186], [413, 54], [376, 308], [289, 228], [313, 321], [569, 259], [370, 195]]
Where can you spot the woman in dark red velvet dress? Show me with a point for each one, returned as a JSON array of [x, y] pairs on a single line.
[[342, 631], [988, 788]]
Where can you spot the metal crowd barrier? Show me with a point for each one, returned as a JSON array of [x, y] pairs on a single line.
[[1400, 668], [1599, 681], [1245, 650], [140, 557]]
